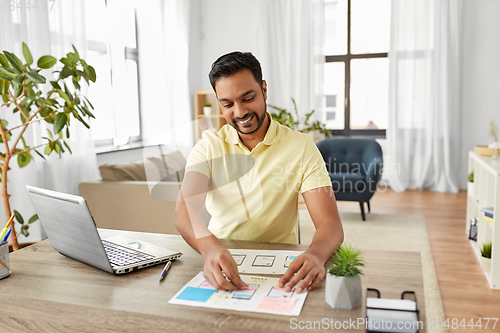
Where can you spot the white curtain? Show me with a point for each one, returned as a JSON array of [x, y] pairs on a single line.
[[423, 135], [292, 56], [51, 29], [163, 37]]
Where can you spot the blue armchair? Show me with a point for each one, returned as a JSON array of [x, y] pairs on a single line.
[[355, 168]]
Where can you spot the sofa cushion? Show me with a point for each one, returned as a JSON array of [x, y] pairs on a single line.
[[166, 167], [170, 166], [123, 172]]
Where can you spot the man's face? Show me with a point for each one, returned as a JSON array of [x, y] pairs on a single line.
[[242, 101]]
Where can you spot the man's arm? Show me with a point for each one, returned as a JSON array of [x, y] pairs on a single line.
[[190, 223], [329, 234]]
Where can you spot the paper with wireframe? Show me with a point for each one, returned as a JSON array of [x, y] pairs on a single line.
[[262, 295], [263, 261]]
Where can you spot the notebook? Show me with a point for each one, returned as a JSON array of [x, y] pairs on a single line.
[[71, 230]]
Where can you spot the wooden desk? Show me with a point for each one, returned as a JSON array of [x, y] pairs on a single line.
[[48, 292]]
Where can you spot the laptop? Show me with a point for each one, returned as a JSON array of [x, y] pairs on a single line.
[[72, 232]]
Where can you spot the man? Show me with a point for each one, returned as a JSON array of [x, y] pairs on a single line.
[[253, 169]]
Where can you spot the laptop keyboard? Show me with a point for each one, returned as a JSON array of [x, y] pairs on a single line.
[[122, 256]]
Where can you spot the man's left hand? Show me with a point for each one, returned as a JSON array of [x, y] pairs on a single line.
[[307, 267]]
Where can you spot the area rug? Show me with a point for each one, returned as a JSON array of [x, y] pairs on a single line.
[[390, 232]]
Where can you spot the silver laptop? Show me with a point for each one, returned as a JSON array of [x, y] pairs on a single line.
[[71, 230]]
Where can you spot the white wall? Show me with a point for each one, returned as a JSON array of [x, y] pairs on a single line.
[[481, 75]]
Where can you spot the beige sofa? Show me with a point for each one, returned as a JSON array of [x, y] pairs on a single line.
[[138, 196]]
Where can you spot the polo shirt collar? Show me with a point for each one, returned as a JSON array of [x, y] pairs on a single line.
[[270, 138]]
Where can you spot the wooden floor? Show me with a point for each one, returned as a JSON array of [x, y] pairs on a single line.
[[464, 289]]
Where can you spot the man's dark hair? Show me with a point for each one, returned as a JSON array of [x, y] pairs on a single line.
[[232, 63]]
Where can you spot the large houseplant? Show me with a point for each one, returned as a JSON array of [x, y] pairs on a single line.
[[300, 124], [25, 91], [343, 283]]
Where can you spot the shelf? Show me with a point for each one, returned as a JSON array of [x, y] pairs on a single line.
[[214, 122], [478, 256], [486, 194]]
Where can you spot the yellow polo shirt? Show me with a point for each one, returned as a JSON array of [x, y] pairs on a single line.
[[253, 195]]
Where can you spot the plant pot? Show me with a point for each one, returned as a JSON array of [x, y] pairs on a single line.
[[207, 110], [486, 264], [470, 189], [343, 292], [316, 136]]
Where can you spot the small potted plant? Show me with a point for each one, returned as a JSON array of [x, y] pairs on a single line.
[[343, 282], [470, 184], [207, 109], [315, 130], [486, 256]]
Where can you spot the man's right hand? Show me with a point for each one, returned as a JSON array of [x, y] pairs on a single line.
[[218, 260]]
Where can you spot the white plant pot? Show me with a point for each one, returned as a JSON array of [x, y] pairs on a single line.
[[343, 292], [470, 189], [486, 264], [316, 136], [207, 110]]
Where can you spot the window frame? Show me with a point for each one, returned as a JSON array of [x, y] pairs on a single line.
[[346, 59], [129, 54]]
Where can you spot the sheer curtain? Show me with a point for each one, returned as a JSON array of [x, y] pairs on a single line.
[[292, 56], [163, 37], [52, 32], [423, 135]]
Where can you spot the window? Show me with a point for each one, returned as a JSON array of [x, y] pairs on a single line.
[[356, 72], [112, 51]]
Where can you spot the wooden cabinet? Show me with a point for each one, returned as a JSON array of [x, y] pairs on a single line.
[[202, 121], [486, 194]]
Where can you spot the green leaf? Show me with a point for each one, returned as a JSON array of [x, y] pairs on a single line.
[[58, 148], [19, 218], [55, 85], [36, 151], [4, 87], [47, 150], [18, 81], [60, 122], [68, 92], [89, 102], [3, 61], [24, 230], [67, 146], [72, 57], [76, 52], [76, 85], [14, 61], [33, 219], [50, 134], [24, 159], [27, 55], [63, 95], [8, 72], [46, 61], [66, 71], [67, 132], [92, 74], [35, 77], [5, 77], [18, 91], [87, 111]]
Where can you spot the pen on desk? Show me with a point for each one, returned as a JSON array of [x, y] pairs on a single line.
[[4, 231], [6, 236], [165, 270]]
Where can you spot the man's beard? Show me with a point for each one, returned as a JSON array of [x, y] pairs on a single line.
[[260, 121]]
